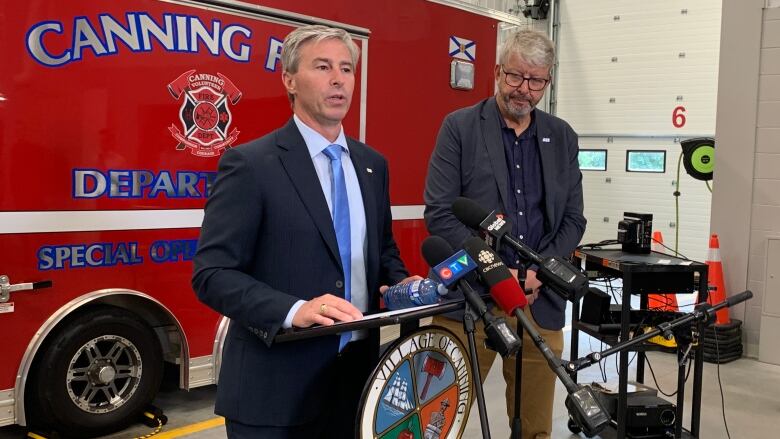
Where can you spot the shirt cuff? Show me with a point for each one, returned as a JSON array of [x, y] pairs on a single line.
[[290, 314]]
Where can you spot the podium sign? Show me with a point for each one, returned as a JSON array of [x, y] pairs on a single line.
[[421, 388]]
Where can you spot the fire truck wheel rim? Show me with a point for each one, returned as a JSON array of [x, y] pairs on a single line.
[[100, 370], [104, 374]]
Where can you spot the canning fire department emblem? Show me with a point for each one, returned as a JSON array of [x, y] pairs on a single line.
[[421, 389], [204, 113]]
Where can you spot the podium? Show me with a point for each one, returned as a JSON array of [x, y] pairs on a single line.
[[423, 384], [408, 319]]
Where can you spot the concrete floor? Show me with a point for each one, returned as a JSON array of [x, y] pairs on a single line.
[[751, 390]]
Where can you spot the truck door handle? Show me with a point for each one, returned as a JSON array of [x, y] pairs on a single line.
[[6, 288]]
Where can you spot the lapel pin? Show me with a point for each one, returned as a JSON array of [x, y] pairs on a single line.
[[370, 171], [546, 139]]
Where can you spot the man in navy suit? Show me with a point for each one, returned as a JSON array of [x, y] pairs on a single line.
[[298, 232], [515, 159]]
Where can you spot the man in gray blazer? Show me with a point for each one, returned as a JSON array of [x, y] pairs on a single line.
[[513, 158]]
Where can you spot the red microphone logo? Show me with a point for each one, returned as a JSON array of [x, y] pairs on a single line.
[[445, 273]]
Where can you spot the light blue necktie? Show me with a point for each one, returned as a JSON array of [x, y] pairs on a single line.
[[340, 205]]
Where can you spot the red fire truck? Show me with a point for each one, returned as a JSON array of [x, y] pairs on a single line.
[[113, 116]]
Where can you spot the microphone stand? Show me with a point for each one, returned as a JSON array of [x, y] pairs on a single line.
[[517, 424], [500, 336], [469, 327], [554, 362], [681, 328], [583, 406], [704, 313]]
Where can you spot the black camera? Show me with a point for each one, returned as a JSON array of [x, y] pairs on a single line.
[[635, 232], [536, 9]]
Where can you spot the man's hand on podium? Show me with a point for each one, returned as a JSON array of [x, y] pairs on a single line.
[[325, 310]]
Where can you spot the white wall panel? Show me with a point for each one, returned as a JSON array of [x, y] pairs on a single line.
[[625, 66]]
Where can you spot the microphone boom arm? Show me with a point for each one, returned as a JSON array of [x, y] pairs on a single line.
[[584, 407], [706, 313]]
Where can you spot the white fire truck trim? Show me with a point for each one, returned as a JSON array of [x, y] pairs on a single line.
[[6, 407], [265, 13], [94, 220]]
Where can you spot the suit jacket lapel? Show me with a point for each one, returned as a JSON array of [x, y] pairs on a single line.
[[297, 162], [491, 132], [368, 190], [547, 153]]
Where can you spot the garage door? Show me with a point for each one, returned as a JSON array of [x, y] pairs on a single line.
[[634, 78]]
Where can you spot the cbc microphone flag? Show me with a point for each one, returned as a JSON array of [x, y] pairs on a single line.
[[462, 48]]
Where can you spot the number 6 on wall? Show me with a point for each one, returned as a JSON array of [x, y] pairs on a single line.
[[678, 116]]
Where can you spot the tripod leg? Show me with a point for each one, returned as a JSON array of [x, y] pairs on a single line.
[[468, 327]]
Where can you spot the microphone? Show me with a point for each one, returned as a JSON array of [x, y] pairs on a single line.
[[555, 272], [504, 288], [495, 274], [584, 407], [451, 267], [456, 270]]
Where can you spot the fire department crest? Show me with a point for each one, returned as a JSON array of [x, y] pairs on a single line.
[[421, 389], [204, 113]]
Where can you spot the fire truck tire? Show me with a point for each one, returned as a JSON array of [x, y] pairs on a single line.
[[99, 373]]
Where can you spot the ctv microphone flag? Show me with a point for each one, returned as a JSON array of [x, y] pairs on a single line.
[[454, 268]]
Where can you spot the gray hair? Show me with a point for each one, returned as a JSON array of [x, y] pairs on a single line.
[[532, 46], [291, 49]]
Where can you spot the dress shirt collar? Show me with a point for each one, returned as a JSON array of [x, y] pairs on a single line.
[[315, 141]]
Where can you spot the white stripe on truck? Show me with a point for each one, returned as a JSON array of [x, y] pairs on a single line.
[[92, 220]]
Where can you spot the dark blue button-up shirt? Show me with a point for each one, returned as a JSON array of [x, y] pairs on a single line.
[[526, 191]]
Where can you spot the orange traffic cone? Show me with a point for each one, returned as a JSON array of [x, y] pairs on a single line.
[[661, 302], [717, 288]]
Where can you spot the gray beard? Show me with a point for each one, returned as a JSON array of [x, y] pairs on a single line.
[[514, 111]]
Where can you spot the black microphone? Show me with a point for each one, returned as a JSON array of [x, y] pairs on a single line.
[[584, 407], [706, 312], [735, 299], [439, 255], [555, 272]]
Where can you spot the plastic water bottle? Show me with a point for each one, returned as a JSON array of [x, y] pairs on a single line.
[[416, 293]]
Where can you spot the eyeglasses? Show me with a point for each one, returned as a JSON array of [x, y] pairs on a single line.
[[515, 80]]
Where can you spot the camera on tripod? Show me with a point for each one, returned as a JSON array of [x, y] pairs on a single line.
[[635, 232]]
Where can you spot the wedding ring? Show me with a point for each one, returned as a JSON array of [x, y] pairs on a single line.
[[323, 308]]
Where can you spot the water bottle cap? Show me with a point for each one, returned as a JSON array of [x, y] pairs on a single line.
[[442, 290]]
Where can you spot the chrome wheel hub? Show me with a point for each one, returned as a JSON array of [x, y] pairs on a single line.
[[104, 374]]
